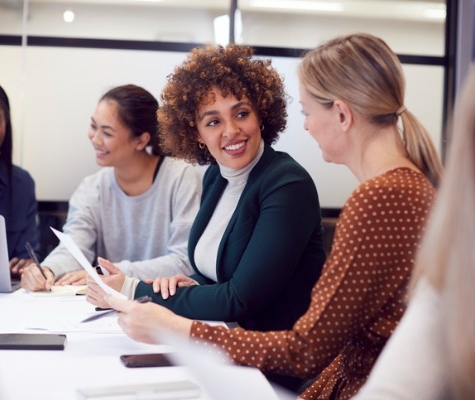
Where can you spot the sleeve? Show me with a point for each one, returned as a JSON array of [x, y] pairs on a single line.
[[29, 233], [351, 294], [413, 365], [185, 204], [286, 217], [81, 224]]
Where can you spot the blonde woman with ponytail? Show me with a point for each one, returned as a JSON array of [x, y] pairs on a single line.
[[352, 98], [432, 354]]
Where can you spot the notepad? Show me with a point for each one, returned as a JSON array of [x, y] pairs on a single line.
[[32, 341], [66, 290]]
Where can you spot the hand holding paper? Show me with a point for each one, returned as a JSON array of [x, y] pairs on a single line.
[[68, 242]]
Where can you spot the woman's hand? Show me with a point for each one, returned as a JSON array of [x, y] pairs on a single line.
[[72, 278], [32, 280], [17, 265], [115, 280], [143, 322], [167, 286]]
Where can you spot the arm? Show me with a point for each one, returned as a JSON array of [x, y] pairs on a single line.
[[360, 294], [81, 224], [251, 276], [413, 365]]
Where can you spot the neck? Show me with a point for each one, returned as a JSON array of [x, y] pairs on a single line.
[[136, 177], [380, 151]]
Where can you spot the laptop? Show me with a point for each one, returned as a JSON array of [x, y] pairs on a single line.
[[7, 284]]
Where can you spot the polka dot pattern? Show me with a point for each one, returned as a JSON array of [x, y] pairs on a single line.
[[359, 299]]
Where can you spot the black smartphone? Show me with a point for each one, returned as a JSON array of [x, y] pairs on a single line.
[[146, 360]]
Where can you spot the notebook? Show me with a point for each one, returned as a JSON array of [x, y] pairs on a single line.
[[7, 284]]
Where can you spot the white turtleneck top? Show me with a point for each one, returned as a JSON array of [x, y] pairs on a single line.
[[206, 250]]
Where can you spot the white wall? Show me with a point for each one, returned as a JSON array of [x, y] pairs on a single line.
[[54, 91]]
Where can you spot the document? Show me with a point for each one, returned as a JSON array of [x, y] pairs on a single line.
[[68, 242]]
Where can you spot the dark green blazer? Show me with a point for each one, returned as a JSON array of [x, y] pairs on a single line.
[[271, 253]]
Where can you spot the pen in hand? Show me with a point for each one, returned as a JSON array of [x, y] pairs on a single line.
[[143, 299], [32, 254]]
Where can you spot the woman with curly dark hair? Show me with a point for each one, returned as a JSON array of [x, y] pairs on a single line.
[[231, 71], [256, 243]]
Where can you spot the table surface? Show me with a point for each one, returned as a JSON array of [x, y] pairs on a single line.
[[91, 357]]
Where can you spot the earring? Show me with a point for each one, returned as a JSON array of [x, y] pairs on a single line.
[[262, 127], [201, 145]]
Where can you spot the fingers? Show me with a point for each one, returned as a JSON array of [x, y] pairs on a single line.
[[50, 278], [108, 266], [73, 278], [95, 294], [17, 265], [32, 280], [167, 286]]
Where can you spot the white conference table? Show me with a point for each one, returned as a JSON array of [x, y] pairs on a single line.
[[91, 356]]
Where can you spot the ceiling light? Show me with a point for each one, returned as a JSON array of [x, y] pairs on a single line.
[[298, 5], [68, 16]]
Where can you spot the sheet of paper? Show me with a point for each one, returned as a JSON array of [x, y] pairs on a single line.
[[68, 242], [59, 323]]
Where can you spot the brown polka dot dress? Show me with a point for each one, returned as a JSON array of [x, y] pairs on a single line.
[[359, 298]]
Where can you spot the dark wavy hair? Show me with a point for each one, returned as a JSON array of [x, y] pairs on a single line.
[[137, 110], [233, 71]]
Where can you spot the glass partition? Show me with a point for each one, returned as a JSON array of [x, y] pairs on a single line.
[[58, 57]]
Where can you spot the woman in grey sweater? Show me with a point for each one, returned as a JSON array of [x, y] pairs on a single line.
[[138, 209]]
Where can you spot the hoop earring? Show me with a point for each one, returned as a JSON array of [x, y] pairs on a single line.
[[201, 145], [262, 127]]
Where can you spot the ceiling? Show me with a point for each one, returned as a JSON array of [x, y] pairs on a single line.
[[393, 9]]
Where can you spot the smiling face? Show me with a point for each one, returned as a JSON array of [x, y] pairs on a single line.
[[230, 130], [112, 140]]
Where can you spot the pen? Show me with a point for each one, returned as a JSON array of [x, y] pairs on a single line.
[[143, 299], [32, 254]]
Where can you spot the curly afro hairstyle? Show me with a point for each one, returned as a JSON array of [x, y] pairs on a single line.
[[232, 71]]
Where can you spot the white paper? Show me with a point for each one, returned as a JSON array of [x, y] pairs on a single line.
[[59, 323], [68, 242]]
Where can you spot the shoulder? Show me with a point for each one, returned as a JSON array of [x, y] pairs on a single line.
[[175, 166], [401, 185], [96, 182], [104, 174], [279, 166], [22, 177], [397, 193]]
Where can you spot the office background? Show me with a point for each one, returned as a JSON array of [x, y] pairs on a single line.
[[55, 71]]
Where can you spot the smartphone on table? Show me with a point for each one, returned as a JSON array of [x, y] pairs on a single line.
[[146, 360]]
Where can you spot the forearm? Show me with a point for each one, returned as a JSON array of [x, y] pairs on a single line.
[[167, 265]]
